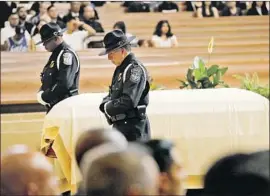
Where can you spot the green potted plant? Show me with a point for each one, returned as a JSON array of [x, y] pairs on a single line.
[[252, 83], [200, 77]]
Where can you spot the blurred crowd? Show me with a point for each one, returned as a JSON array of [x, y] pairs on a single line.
[[111, 166], [20, 24]]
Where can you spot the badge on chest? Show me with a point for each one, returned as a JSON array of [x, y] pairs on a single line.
[[119, 77], [51, 64]]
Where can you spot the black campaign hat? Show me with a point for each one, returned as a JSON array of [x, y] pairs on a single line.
[[114, 40], [50, 30]]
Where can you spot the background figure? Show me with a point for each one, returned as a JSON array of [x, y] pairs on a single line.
[[75, 38], [74, 11], [172, 175], [231, 10], [26, 173], [120, 25], [124, 173], [18, 42], [207, 10], [54, 16], [163, 36], [168, 6], [259, 8], [42, 14], [21, 11], [89, 17]]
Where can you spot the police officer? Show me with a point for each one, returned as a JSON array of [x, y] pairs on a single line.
[[60, 76], [125, 106]]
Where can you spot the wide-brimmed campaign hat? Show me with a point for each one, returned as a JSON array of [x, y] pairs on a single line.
[[114, 40], [49, 31]]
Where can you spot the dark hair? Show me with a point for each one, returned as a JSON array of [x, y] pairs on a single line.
[[161, 152], [121, 25], [51, 6], [230, 176], [69, 18], [159, 26], [19, 30]]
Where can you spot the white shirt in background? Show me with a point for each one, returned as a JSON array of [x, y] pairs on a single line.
[[168, 43], [8, 31], [76, 39]]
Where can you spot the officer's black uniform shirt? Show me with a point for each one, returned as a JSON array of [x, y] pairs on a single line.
[[129, 88], [60, 76]]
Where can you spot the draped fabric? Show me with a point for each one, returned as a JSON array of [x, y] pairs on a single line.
[[205, 125]]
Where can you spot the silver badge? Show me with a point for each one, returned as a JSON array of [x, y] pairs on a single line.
[[136, 73], [67, 58]]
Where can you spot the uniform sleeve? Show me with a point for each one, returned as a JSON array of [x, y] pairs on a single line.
[[68, 67], [133, 88]]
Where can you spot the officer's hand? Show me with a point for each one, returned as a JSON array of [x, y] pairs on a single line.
[[40, 100]]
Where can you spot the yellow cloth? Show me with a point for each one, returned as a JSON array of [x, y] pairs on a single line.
[[204, 124]]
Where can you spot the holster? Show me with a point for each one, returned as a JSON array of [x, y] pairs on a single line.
[[141, 112]]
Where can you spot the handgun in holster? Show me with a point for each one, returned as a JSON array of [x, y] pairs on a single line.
[[141, 112]]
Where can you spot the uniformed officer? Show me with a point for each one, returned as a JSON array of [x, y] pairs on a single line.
[[125, 106], [60, 76]]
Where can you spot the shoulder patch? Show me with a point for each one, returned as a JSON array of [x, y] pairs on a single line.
[[135, 75], [67, 58]]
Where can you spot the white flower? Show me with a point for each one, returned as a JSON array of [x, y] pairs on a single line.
[[196, 62]]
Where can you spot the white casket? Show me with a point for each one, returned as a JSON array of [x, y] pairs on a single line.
[[205, 124]]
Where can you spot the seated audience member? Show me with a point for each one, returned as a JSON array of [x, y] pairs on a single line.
[[220, 5], [75, 38], [89, 18], [192, 6], [7, 7], [207, 10], [54, 17], [95, 137], [42, 15], [87, 3], [258, 8], [243, 5], [163, 36], [137, 6], [26, 173], [172, 174], [168, 6], [122, 26], [239, 174], [30, 28], [18, 42], [231, 9], [73, 12], [124, 173], [36, 38], [143, 43]]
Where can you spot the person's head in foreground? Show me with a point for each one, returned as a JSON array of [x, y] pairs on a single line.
[[239, 175], [124, 173], [117, 46], [26, 173], [172, 174], [51, 36], [95, 137]]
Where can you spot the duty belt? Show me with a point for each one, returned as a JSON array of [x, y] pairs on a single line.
[[129, 115]]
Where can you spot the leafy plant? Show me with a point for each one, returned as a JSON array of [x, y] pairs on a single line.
[[201, 77], [154, 86], [251, 83]]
